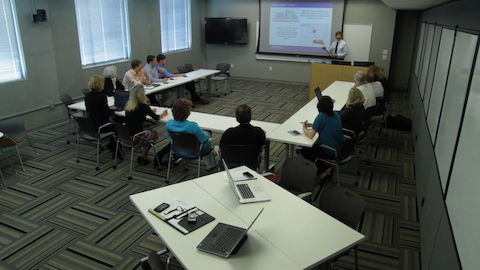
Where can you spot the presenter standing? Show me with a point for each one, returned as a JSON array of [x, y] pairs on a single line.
[[339, 48]]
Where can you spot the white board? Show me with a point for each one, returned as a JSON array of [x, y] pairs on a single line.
[[419, 49], [358, 38], [458, 77], [431, 67], [426, 59], [462, 199], [439, 80]]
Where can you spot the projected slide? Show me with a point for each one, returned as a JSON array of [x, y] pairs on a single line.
[[300, 26]]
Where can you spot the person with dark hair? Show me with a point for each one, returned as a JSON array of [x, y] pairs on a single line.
[[181, 110], [152, 71], [136, 75], [190, 86], [244, 133], [338, 48], [328, 125]]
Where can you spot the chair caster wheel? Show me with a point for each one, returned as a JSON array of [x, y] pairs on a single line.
[[167, 182], [78, 161], [129, 178], [114, 166], [97, 168], [68, 142]]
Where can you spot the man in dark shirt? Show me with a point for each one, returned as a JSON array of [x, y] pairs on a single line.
[[245, 133]]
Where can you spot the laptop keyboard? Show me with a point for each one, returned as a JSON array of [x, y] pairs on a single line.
[[245, 191], [225, 242]]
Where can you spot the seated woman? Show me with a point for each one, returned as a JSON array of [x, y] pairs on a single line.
[[136, 112], [353, 115], [329, 128], [97, 107], [181, 110], [111, 81]]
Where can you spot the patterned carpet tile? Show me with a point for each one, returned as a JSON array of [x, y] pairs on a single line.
[[60, 214]]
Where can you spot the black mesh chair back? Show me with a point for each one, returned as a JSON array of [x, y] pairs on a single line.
[[239, 155], [123, 134], [86, 128], [85, 91], [298, 175], [340, 62], [182, 69], [185, 143], [224, 68], [342, 204], [66, 100], [363, 63], [188, 67]]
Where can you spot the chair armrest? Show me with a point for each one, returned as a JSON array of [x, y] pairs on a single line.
[[348, 133], [104, 126], [304, 195], [329, 148], [139, 134]]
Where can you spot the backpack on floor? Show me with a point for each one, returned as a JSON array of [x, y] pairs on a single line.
[[399, 122]]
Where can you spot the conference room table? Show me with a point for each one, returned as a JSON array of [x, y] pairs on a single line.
[[180, 81], [338, 91], [289, 234]]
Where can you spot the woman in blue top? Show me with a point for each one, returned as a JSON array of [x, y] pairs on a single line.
[[181, 110], [328, 125]]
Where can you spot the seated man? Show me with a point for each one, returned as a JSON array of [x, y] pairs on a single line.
[[190, 86], [181, 110], [136, 75], [367, 91], [244, 133], [152, 71]]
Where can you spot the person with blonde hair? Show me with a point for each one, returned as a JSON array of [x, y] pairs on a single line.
[[97, 107], [353, 115], [136, 112], [112, 82]]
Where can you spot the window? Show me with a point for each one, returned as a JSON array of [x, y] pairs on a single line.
[[102, 31], [12, 63], [176, 25]]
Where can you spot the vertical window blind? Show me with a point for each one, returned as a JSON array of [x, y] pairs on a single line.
[[12, 64], [176, 25], [103, 31]]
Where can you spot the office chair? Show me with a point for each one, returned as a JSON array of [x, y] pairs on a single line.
[[124, 139], [72, 114], [88, 133], [363, 63], [345, 156], [85, 91], [299, 176], [239, 155], [222, 76], [341, 62], [189, 68], [345, 206], [185, 146], [14, 134]]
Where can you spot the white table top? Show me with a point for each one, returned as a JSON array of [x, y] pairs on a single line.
[[337, 91], [304, 233], [256, 253], [177, 81]]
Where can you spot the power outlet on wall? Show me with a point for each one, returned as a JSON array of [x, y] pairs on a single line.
[[270, 68], [231, 65]]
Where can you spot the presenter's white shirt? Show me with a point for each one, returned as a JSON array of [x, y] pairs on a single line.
[[342, 49], [369, 95]]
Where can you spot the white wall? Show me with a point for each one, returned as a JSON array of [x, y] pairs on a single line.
[[53, 58], [243, 56]]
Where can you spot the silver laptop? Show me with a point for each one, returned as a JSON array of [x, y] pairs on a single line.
[[225, 240], [247, 190]]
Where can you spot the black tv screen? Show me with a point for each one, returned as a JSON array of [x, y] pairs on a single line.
[[226, 31]]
